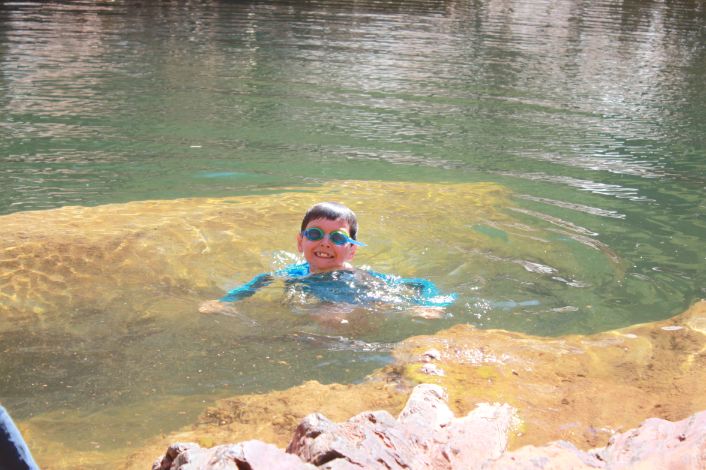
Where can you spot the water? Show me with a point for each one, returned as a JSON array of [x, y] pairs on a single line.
[[543, 160]]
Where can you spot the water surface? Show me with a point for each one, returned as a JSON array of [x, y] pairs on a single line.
[[543, 160]]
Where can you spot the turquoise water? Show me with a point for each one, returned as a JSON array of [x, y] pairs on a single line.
[[590, 114]]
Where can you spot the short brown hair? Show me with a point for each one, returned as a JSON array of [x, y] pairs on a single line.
[[332, 211]]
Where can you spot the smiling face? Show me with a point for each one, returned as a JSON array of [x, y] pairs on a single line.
[[322, 255]]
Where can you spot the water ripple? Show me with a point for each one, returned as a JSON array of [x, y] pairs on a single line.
[[595, 187], [574, 206]]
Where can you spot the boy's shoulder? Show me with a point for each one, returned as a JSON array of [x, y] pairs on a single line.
[[293, 270]]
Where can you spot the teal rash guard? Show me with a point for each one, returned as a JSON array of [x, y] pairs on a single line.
[[351, 286]]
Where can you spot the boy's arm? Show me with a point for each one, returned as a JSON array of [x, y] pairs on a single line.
[[248, 289], [225, 303], [264, 280]]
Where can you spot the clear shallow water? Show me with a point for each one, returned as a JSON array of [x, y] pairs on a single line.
[[589, 114]]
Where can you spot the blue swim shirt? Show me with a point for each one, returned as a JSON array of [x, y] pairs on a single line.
[[352, 286]]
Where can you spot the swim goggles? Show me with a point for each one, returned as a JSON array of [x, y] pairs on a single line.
[[337, 237]]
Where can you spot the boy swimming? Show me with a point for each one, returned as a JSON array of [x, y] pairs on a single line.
[[327, 239]]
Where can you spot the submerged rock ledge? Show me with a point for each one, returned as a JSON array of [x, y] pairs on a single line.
[[584, 390], [426, 435]]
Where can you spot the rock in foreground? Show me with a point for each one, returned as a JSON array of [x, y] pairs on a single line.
[[426, 435], [577, 388]]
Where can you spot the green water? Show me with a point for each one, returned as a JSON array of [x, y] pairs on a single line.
[[590, 115]]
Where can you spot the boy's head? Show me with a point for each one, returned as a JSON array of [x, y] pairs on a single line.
[[320, 251]]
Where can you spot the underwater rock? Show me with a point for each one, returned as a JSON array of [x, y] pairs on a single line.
[[121, 257], [432, 369], [427, 435], [431, 355]]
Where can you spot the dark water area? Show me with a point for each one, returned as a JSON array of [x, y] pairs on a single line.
[[588, 117]]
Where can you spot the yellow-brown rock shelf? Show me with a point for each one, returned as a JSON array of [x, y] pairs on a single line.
[[576, 388]]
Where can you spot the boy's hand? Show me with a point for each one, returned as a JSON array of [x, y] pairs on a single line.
[[216, 306], [224, 308], [430, 313]]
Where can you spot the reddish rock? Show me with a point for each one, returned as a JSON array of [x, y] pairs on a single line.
[[174, 450], [252, 455], [559, 455], [427, 436], [662, 444], [656, 444]]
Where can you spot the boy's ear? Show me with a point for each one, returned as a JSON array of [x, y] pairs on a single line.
[[299, 243], [351, 252]]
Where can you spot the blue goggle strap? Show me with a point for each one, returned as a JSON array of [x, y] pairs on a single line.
[[355, 242], [348, 238]]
